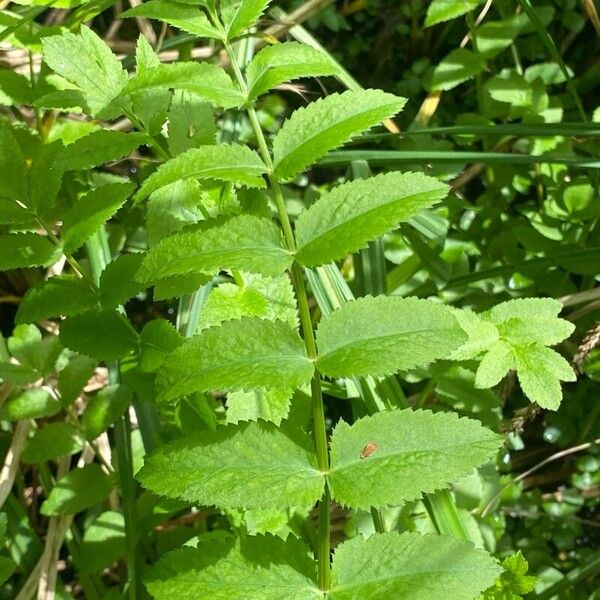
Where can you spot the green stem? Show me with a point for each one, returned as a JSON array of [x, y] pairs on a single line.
[[318, 410]]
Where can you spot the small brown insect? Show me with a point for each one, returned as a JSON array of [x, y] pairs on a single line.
[[368, 450]]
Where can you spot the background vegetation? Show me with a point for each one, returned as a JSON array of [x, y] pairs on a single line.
[[503, 105]]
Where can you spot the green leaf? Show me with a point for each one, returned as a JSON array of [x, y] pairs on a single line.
[[514, 583], [267, 405], [97, 148], [494, 365], [78, 490], [18, 374], [326, 124], [179, 285], [91, 211], [481, 333], [104, 542], [30, 404], [191, 123], [380, 336], [540, 371], [257, 568], [255, 465], [207, 81], [158, 340], [461, 64], [105, 408], [239, 15], [547, 331], [410, 565], [173, 207], [281, 63], [101, 334], [242, 354], [444, 10], [56, 297], [52, 441], [20, 250], [88, 63], [253, 296], [412, 452], [346, 218], [525, 308], [118, 283], [234, 163], [13, 170], [45, 177], [244, 242], [73, 378], [183, 16]]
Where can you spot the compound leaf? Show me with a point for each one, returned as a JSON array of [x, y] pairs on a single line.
[[56, 297], [88, 63], [101, 334], [91, 211], [346, 218], [234, 163], [280, 63], [246, 353], [185, 17], [208, 81], [379, 336], [268, 405], [243, 242], [410, 565], [255, 465], [391, 457], [329, 122]]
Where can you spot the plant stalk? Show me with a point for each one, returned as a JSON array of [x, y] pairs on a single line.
[[318, 410]]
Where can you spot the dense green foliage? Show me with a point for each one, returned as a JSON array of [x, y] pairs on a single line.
[[278, 338]]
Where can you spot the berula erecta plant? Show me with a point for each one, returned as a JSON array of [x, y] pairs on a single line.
[[217, 214]]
